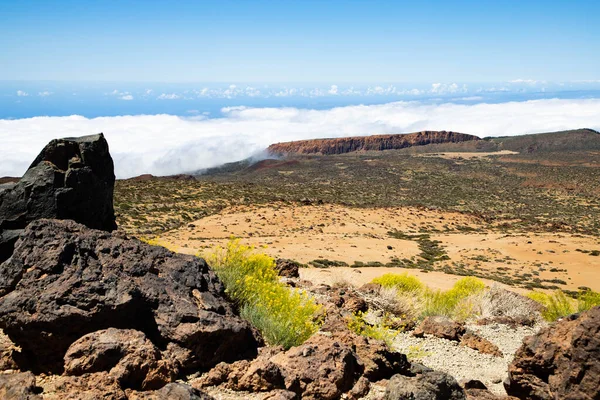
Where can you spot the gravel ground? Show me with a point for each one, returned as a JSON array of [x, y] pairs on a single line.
[[463, 362]]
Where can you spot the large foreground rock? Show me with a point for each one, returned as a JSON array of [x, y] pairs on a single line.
[[70, 179], [560, 362], [65, 280]]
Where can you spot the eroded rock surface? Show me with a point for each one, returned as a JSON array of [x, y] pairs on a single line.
[[65, 280], [70, 179], [429, 385], [559, 362]]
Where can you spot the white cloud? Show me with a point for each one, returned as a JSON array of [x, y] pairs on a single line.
[[333, 90], [21, 93], [527, 81], [166, 144], [170, 96], [126, 97], [44, 93]]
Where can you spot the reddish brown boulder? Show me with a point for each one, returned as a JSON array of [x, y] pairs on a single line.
[[476, 342], [559, 362], [441, 327], [126, 354], [321, 368]]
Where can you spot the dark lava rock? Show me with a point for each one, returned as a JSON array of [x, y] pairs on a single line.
[[560, 361], [433, 385], [65, 280], [70, 179]]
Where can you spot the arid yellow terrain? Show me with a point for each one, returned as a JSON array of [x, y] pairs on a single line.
[[306, 233]]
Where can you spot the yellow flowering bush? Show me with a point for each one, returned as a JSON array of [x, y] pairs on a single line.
[[161, 243], [401, 282], [558, 304], [283, 315], [357, 324]]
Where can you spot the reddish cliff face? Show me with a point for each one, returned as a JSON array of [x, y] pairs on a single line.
[[376, 142]]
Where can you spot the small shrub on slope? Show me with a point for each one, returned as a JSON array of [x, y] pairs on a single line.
[[558, 304], [401, 282], [358, 325], [284, 316], [460, 302]]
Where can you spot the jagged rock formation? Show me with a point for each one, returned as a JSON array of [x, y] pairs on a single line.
[[559, 362], [65, 280], [363, 143], [70, 179]]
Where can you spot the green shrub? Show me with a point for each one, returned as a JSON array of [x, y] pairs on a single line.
[[358, 325], [558, 304], [284, 316], [456, 303], [587, 299], [401, 282]]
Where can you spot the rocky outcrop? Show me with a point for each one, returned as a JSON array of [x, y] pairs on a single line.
[[428, 385], [559, 362], [65, 281], [70, 179], [330, 364], [321, 368], [364, 143]]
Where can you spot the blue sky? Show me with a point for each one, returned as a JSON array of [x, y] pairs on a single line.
[[179, 86], [330, 42]]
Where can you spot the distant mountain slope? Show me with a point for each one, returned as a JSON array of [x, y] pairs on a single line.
[[578, 139], [375, 142]]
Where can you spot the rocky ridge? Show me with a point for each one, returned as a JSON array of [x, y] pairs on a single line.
[[364, 143]]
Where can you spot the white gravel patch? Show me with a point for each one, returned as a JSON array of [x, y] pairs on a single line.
[[465, 363]]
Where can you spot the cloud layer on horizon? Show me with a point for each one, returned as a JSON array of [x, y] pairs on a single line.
[[167, 144]]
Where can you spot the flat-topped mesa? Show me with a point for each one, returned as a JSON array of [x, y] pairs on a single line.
[[364, 143]]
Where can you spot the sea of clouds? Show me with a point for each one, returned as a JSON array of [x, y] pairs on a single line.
[[168, 144]]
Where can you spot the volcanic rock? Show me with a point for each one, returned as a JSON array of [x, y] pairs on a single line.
[[172, 391], [321, 368], [375, 142], [441, 327], [18, 386], [560, 361], [127, 354], [431, 385], [287, 268], [480, 344], [70, 179], [64, 281]]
